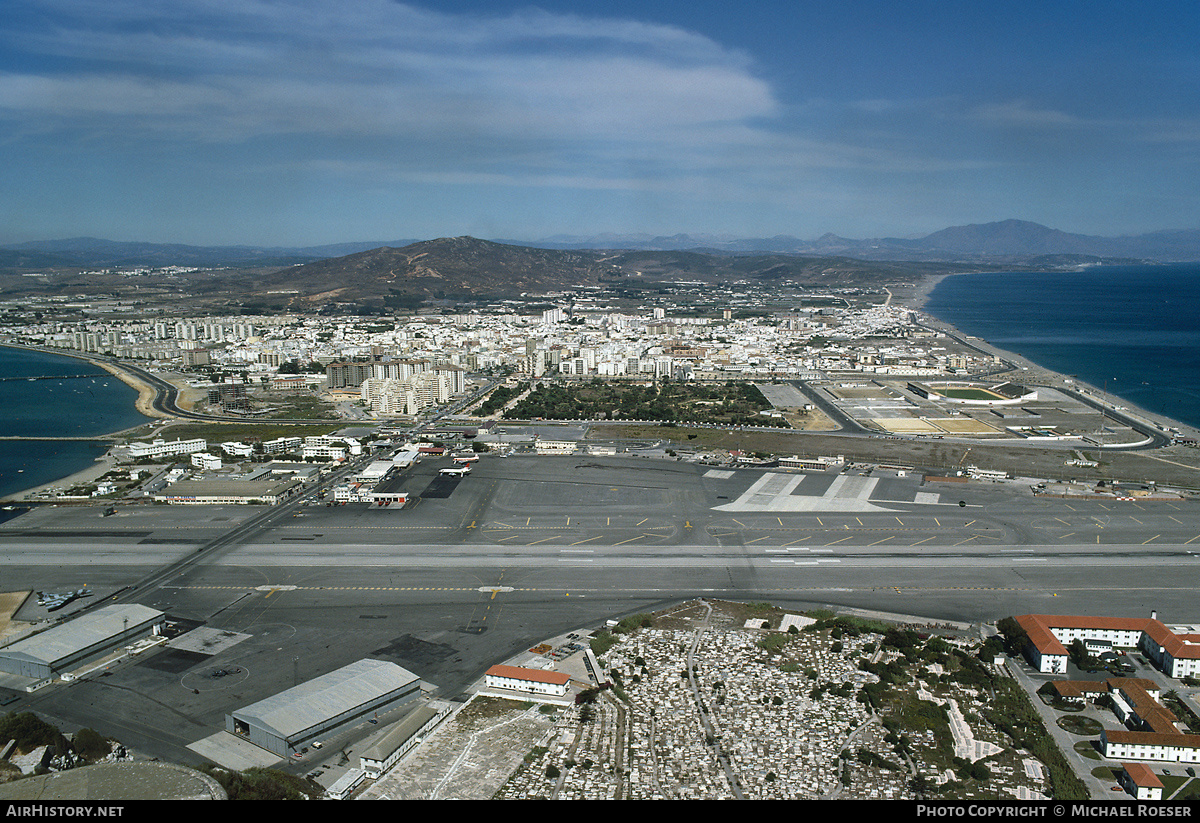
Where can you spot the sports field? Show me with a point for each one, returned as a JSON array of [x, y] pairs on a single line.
[[965, 393]]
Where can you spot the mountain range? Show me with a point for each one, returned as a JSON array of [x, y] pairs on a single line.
[[1001, 242], [1005, 239]]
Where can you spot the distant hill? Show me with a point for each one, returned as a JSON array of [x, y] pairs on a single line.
[[370, 278], [1003, 241], [1006, 240], [467, 267], [452, 267]]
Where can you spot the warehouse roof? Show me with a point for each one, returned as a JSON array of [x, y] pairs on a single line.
[[80, 634], [327, 696]]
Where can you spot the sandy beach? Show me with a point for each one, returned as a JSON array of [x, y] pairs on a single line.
[[146, 392], [87, 475], [916, 296], [1026, 371]]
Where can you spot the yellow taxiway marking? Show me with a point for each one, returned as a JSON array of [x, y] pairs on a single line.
[[877, 542], [739, 522], [898, 520], [589, 540], [755, 540], [835, 542], [919, 542], [640, 522], [780, 521], [535, 542], [935, 520], [1197, 537], [1180, 522], [809, 537], [630, 540], [1144, 542]]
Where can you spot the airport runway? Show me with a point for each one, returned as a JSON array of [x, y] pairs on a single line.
[[525, 548]]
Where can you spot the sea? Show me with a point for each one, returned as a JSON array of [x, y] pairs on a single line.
[[1132, 331], [63, 406]]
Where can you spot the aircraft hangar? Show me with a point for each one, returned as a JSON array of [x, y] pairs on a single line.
[[285, 723], [56, 651]]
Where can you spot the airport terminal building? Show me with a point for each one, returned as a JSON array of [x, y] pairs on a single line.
[[289, 721]]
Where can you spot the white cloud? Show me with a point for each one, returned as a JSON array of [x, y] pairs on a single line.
[[226, 71]]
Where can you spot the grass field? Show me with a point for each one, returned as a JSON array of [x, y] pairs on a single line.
[[968, 394]]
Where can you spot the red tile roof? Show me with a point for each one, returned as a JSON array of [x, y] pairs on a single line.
[[533, 675], [1142, 775], [1038, 626]]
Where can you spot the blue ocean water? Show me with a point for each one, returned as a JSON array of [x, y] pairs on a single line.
[[69, 407], [1133, 331]]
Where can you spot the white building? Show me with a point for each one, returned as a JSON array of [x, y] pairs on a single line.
[[537, 681], [161, 448]]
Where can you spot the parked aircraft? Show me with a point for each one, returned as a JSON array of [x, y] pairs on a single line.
[[53, 601]]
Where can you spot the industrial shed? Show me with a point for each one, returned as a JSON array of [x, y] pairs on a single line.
[[67, 646], [291, 720], [386, 750]]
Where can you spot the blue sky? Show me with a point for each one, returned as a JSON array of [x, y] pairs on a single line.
[[296, 122]]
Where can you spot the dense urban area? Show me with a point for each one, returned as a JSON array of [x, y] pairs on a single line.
[[483, 462]]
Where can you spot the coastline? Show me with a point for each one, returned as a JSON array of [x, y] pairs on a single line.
[[143, 404], [146, 392], [1028, 370], [90, 474]]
